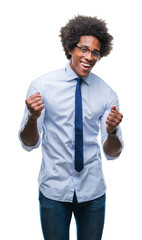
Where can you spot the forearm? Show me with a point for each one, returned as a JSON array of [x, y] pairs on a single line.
[[112, 146], [29, 134]]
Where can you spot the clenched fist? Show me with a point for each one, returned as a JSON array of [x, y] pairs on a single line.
[[35, 105], [113, 120]]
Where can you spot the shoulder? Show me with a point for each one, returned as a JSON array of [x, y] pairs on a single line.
[[96, 80], [49, 76], [100, 83], [103, 88], [48, 79]]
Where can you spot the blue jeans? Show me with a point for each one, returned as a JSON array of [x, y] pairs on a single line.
[[56, 217]]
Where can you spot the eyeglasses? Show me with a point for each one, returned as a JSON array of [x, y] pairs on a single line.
[[85, 51]]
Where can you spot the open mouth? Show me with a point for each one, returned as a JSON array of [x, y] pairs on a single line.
[[86, 66]]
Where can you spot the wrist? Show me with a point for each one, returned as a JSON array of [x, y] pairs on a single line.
[[32, 118], [112, 133]]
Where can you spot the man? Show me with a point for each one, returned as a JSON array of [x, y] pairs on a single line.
[[67, 106]]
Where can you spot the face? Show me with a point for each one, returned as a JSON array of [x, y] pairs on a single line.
[[82, 64]]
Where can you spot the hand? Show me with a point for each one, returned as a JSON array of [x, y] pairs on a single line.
[[113, 120], [35, 105]]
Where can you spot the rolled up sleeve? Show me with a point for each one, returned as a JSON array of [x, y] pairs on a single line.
[[34, 87], [111, 100]]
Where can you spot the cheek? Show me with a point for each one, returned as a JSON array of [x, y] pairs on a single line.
[[75, 62]]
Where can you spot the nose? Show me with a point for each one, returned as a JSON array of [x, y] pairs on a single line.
[[89, 56]]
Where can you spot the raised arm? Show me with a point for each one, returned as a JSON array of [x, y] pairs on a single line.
[[29, 134], [112, 146]]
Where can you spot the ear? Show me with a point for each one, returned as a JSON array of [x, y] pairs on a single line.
[[70, 52]]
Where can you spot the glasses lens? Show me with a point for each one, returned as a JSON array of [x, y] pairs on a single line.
[[96, 54], [84, 50]]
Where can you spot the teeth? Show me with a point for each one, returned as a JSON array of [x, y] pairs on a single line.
[[86, 64]]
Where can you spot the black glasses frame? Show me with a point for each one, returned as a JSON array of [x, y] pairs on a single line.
[[95, 53]]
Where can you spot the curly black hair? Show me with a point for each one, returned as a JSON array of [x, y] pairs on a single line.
[[84, 25]]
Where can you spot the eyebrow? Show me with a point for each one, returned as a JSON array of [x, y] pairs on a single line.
[[89, 48]]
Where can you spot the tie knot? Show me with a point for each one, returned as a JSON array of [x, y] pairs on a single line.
[[79, 81]]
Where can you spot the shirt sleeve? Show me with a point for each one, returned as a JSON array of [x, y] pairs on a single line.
[[111, 100], [34, 87]]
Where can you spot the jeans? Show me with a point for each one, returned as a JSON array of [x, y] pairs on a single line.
[[56, 217]]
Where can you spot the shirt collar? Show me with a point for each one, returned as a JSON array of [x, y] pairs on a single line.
[[71, 75]]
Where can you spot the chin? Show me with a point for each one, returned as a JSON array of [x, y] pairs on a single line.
[[84, 74]]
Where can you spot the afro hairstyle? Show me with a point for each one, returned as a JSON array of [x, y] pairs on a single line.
[[83, 25]]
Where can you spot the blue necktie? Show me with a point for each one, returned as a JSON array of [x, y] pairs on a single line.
[[78, 128]]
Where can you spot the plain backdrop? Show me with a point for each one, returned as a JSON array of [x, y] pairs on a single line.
[[30, 47]]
